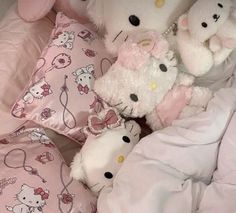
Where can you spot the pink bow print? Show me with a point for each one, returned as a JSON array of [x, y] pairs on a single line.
[[98, 125], [46, 90], [42, 193], [83, 89]]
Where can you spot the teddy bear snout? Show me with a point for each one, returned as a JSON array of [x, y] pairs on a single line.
[[216, 17]]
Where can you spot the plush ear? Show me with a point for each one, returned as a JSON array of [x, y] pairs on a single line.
[[95, 11], [183, 22], [32, 10], [77, 171]]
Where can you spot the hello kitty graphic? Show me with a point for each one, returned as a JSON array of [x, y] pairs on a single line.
[[38, 90], [38, 135], [64, 39], [86, 35], [32, 200], [85, 79]]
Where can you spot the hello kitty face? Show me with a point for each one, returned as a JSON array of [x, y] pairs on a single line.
[[202, 25], [64, 39], [85, 78], [31, 198], [37, 91], [136, 92], [119, 23], [38, 135]]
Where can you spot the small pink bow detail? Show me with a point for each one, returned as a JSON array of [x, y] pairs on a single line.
[[39, 191], [46, 90], [83, 89], [110, 120]]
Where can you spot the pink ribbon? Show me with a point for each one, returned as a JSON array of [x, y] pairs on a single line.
[[83, 89], [99, 124], [42, 193], [46, 90]]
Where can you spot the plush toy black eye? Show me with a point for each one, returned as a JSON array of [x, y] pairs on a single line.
[[126, 139], [220, 5], [108, 175], [204, 24], [134, 97], [163, 67], [134, 20]]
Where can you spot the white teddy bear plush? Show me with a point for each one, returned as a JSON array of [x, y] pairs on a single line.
[[145, 81], [123, 17], [101, 157], [206, 21]]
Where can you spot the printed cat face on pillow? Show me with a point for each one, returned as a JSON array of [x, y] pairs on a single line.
[[64, 39], [120, 18], [202, 25], [30, 198], [38, 90]]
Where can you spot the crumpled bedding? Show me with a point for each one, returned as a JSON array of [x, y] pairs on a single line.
[[170, 171], [174, 170]]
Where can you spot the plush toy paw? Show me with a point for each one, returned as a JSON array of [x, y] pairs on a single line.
[[101, 157], [200, 96]]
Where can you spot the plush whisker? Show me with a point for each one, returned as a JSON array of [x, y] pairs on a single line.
[[117, 36], [124, 109], [126, 38], [118, 104], [131, 112]]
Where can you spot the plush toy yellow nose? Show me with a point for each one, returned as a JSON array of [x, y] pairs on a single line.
[[153, 86], [120, 159], [160, 3]]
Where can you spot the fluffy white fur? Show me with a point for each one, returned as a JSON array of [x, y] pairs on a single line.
[[205, 20], [114, 16], [104, 153], [150, 85]]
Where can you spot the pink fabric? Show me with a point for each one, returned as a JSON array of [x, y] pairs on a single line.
[[21, 44], [33, 168], [60, 94], [173, 104]]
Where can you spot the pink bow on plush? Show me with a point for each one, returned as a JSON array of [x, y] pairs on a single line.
[[46, 90], [110, 120], [139, 47], [84, 89], [42, 193]]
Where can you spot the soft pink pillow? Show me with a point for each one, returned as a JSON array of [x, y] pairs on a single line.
[[21, 44], [60, 94], [32, 167]]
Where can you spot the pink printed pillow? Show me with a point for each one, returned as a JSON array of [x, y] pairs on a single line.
[[60, 94], [34, 177]]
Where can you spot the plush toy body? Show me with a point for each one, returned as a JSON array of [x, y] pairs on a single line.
[[214, 23], [101, 157], [145, 82], [32, 10]]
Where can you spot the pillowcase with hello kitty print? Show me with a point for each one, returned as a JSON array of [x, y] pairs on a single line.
[[60, 93]]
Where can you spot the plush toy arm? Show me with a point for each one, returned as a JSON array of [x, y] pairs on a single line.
[[200, 96], [32, 10], [77, 171], [184, 79], [197, 58], [153, 120], [215, 44]]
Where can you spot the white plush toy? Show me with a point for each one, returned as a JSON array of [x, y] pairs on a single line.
[[102, 155], [145, 81], [206, 20], [123, 17]]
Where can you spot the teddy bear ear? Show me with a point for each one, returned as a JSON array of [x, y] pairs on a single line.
[[95, 11], [183, 22]]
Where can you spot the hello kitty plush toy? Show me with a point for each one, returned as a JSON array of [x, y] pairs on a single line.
[[145, 81], [105, 150], [32, 10], [121, 18], [206, 35]]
